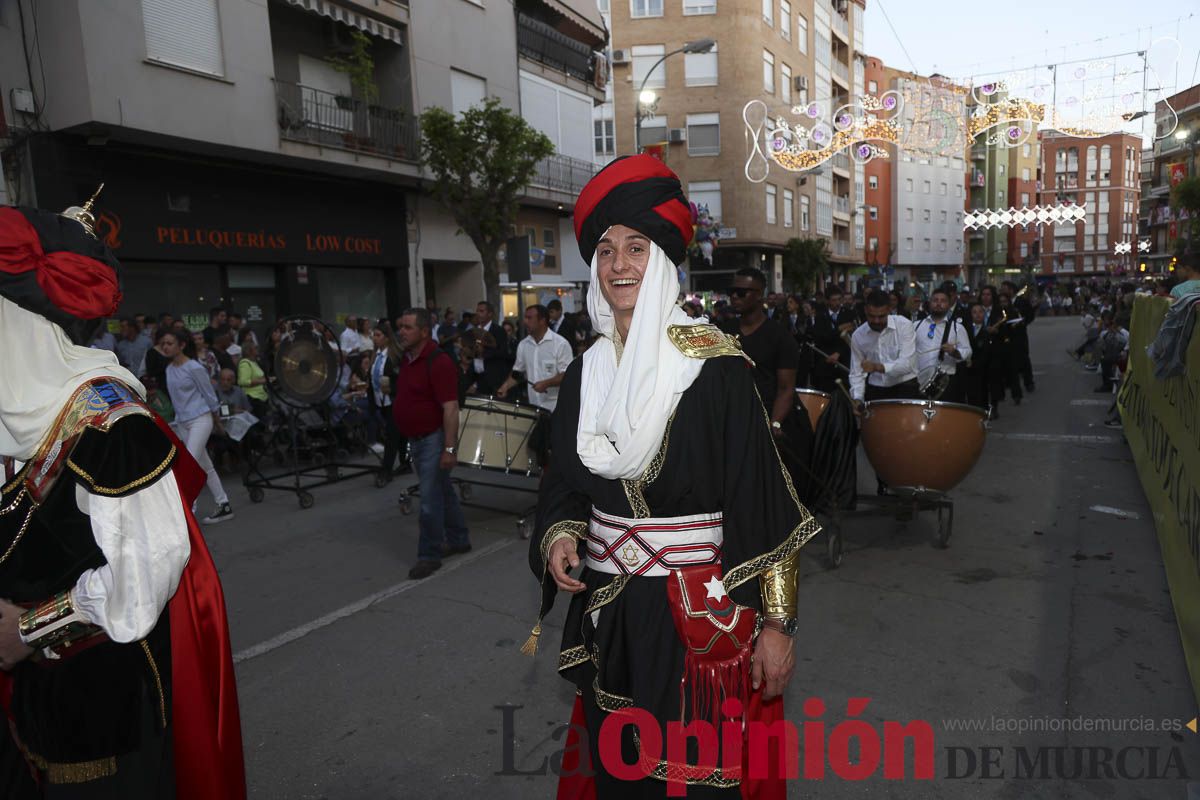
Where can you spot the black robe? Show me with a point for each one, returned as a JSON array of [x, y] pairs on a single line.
[[717, 456]]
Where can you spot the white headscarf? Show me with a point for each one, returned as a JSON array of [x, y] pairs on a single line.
[[624, 409], [40, 368]]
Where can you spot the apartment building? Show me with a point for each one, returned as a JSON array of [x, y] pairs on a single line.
[[915, 197], [243, 167], [1173, 158], [1103, 174], [782, 52]]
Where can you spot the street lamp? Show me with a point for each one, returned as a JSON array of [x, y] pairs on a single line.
[[647, 99]]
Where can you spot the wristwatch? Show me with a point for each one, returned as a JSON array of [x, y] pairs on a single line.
[[787, 626], [452, 450], [775, 424]]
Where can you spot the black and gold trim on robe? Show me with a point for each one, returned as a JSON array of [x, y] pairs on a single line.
[[704, 341]]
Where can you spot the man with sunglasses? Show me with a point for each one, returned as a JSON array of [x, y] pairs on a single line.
[[941, 343], [775, 353]]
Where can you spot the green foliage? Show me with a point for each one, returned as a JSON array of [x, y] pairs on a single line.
[[803, 261], [481, 162], [359, 64]]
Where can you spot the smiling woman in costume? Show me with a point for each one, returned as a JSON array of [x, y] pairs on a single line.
[[116, 677], [666, 487]]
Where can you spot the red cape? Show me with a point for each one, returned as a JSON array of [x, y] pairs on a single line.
[[204, 707]]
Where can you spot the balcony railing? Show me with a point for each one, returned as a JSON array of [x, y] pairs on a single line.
[[841, 70], [841, 161], [841, 25], [979, 151], [323, 118], [841, 247], [841, 204], [542, 43], [977, 178], [563, 173]]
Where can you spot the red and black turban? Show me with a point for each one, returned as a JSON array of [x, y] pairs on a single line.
[[53, 267], [642, 193]]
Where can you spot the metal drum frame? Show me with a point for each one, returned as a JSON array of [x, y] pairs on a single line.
[[525, 520]]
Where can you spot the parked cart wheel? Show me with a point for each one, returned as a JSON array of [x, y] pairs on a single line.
[[381, 480], [464, 491], [405, 505], [257, 495], [525, 527], [833, 547], [945, 528], [306, 500]]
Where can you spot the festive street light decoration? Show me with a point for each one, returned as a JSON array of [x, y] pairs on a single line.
[[983, 218]]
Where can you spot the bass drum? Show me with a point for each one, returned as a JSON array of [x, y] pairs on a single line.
[[921, 446], [497, 435], [814, 402]]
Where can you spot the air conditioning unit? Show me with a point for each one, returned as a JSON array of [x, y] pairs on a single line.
[[677, 135], [800, 83], [620, 57]]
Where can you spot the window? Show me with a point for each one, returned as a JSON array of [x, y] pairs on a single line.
[[1024, 199], [785, 83], [908, 215], [925, 215], [1024, 173], [943, 216], [548, 237], [645, 8], [184, 33], [700, 69], [708, 194], [804, 219], [873, 181], [873, 212], [768, 8], [603, 6], [926, 186], [605, 141], [958, 190], [785, 19], [872, 87], [908, 184], [644, 56], [768, 72], [1000, 169], [908, 243], [466, 90], [1024, 249], [942, 245], [703, 134], [1025, 150], [802, 33], [771, 218], [788, 208], [654, 130], [925, 244], [691, 7], [942, 189]]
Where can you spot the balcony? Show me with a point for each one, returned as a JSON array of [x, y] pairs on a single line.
[[978, 179], [542, 43], [842, 161], [841, 205], [841, 247], [326, 119], [563, 173], [979, 151], [840, 70], [841, 26]]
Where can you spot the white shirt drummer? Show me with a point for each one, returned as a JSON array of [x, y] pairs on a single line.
[[929, 334], [893, 347], [543, 357]]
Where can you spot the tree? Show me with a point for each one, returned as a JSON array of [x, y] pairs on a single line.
[[1186, 196], [481, 161], [803, 261]]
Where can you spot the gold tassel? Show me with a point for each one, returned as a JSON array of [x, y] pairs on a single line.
[[530, 646]]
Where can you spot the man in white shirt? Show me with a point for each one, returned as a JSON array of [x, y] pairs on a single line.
[[349, 340], [941, 343], [883, 363], [543, 357]]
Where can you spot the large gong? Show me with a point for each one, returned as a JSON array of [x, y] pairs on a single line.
[[306, 362]]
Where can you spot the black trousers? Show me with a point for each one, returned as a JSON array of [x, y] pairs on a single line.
[[1003, 374], [909, 390]]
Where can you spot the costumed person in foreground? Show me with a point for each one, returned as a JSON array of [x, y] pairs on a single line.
[[116, 675], [667, 489]]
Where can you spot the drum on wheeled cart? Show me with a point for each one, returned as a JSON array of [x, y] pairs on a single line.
[[498, 437]]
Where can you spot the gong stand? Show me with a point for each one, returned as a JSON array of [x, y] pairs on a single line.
[[304, 377]]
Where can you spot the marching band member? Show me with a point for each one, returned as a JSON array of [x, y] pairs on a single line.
[[941, 344]]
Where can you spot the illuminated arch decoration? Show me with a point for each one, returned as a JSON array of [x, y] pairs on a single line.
[[859, 128], [1086, 99], [933, 119]]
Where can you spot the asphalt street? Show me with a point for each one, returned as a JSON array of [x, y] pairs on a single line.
[[1050, 603]]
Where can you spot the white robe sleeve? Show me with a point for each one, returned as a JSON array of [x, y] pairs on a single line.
[[144, 537]]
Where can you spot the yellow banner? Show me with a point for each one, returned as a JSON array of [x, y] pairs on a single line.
[[1162, 424]]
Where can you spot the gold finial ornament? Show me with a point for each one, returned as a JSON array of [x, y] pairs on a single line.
[[83, 215]]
